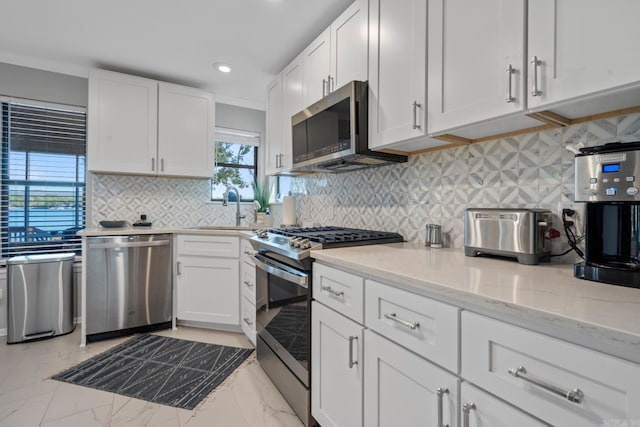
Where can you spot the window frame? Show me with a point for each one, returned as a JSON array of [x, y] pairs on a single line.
[[232, 136], [57, 243]]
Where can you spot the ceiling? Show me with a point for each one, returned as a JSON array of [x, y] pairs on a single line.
[[170, 40]]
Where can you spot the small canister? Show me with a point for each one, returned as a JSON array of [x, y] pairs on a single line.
[[433, 236]]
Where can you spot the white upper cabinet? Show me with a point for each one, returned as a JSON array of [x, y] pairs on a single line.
[[317, 66], [398, 74], [338, 55], [186, 119], [292, 94], [349, 43], [275, 126], [142, 126], [583, 47], [122, 122], [476, 61]]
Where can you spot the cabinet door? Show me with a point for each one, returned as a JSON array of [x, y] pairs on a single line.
[[317, 67], [292, 84], [469, 59], [207, 290], [397, 71], [185, 131], [248, 319], [480, 409], [275, 126], [336, 371], [123, 123], [403, 389], [584, 46], [349, 44]]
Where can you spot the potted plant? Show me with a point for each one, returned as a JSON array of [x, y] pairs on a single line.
[[262, 193]]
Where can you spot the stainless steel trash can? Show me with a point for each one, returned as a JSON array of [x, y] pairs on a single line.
[[40, 296]]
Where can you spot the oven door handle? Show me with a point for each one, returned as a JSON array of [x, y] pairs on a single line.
[[281, 270]]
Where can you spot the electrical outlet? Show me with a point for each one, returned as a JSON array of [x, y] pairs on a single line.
[[577, 218]]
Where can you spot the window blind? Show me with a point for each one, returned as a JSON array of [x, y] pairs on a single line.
[[43, 178]]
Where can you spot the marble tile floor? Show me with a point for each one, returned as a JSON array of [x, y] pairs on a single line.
[[29, 398]]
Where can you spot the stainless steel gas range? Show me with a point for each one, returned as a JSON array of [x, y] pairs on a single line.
[[283, 317]]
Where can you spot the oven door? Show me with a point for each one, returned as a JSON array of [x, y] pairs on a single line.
[[282, 313]]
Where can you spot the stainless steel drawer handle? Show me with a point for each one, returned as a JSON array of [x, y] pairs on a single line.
[[575, 395], [352, 362], [332, 291], [510, 72], [248, 253], [411, 325], [247, 321], [248, 284], [179, 268], [466, 408], [440, 391], [535, 63]]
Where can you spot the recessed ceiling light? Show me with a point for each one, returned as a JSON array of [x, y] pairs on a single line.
[[222, 67]]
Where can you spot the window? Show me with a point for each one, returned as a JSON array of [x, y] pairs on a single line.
[[43, 178], [236, 163]]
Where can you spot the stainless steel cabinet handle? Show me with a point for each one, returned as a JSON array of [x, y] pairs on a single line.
[[410, 325], [332, 291], [248, 284], [162, 165], [277, 160], [247, 321], [324, 87], [281, 160], [466, 408], [535, 62], [179, 268], [331, 84], [440, 391], [575, 395], [248, 253], [351, 361], [510, 72], [153, 164], [416, 105]]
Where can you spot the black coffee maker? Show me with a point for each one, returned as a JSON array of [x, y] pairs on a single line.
[[607, 178]]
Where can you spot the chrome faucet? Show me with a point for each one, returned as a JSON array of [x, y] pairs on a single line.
[[225, 202]]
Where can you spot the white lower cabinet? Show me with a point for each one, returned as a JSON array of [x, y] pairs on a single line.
[[337, 367], [403, 389], [561, 383], [248, 319], [480, 409], [207, 277]]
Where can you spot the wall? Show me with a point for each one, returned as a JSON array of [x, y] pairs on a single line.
[[533, 170], [171, 202], [30, 83]]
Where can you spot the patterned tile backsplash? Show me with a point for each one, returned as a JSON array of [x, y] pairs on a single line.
[[531, 170]]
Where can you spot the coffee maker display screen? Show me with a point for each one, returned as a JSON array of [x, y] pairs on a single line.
[[612, 167]]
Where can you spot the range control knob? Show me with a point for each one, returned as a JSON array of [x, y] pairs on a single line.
[[262, 234], [293, 240], [632, 191], [305, 244]]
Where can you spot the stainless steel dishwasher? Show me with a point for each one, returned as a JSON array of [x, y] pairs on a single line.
[[128, 284]]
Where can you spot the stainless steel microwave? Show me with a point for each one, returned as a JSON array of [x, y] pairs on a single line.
[[331, 135]]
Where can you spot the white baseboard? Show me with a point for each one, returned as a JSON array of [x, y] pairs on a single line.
[[3, 332]]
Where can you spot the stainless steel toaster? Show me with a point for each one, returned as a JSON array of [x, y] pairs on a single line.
[[519, 233]]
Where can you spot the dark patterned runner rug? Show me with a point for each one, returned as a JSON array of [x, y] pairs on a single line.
[[158, 369]]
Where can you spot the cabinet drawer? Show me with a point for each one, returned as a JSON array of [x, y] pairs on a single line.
[[246, 251], [339, 290], [248, 281], [485, 410], [427, 327], [210, 246], [490, 349], [248, 319]]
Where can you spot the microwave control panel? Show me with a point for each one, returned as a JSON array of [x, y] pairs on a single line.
[[608, 177]]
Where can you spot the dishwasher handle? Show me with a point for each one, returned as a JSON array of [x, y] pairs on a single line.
[[119, 245]]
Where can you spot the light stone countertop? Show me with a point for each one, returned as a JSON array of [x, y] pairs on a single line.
[[545, 297], [245, 232]]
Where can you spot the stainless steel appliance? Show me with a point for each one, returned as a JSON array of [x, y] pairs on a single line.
[[519, 233], [40, 295], [283, 318], [129, 286], [332, 134], [606, 179]]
